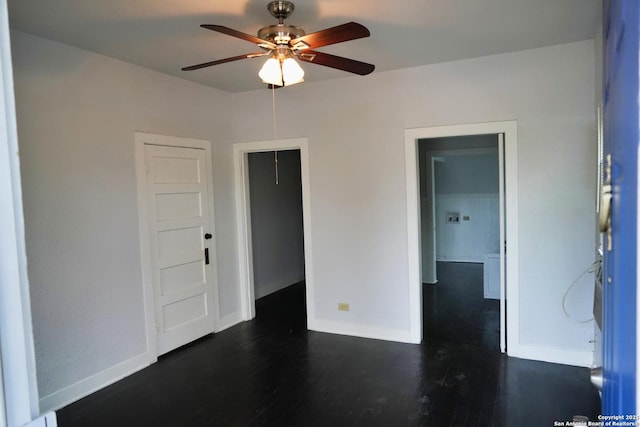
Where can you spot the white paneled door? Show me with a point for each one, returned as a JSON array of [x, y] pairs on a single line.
[[180, 243]]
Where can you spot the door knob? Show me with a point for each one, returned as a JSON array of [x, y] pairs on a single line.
[[208, 236]]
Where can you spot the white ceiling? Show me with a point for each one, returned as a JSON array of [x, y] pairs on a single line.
[[164, 35]]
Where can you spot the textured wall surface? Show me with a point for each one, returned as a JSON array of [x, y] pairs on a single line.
[[357, 178], [77, 112]]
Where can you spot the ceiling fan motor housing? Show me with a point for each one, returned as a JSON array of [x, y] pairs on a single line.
[[280, 9], [280, 33]]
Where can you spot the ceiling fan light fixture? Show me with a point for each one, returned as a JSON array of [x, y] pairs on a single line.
[[285, 73], [271, 72], [292, 72]]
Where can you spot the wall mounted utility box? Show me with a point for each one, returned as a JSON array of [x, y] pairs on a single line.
[[453, 217]]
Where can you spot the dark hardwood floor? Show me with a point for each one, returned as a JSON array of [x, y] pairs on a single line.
[[273, 372]]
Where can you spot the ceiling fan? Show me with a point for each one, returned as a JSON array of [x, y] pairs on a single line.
[[282, 43]]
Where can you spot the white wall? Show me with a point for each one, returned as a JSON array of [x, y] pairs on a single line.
[[468, 240], [77, 113], [358, 207], [468, 173], [276, 221], [468, 185]]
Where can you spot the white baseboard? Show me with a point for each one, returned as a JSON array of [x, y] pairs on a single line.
[[455, 258], [229, 320], [85, 387], [553, 355], [361, 331]]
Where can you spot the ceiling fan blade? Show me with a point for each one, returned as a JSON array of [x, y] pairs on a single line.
[[222, 61], [239, 34], [341, 33], [338, 62]]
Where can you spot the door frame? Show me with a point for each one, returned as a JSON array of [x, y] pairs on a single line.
[[243, 210], [509, 319], [19, 402], [142, 139], [431, 276]]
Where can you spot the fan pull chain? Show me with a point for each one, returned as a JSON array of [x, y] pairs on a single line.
[[275, 131], [273, 106]]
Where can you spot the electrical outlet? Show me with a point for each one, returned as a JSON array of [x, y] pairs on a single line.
[[342, 306]]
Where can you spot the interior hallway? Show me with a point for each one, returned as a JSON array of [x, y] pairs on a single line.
[[271, 371]]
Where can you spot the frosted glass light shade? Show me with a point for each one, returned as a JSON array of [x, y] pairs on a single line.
[[286, 73], [292, 73], [271, 72]]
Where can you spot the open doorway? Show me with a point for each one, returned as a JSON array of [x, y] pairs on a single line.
[[506, 132], [277, 233], [460, 238], [257, 271]]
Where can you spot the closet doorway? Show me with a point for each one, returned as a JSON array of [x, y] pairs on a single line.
[[508, 206], [460, 238], [264, 273], [277, 234]]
